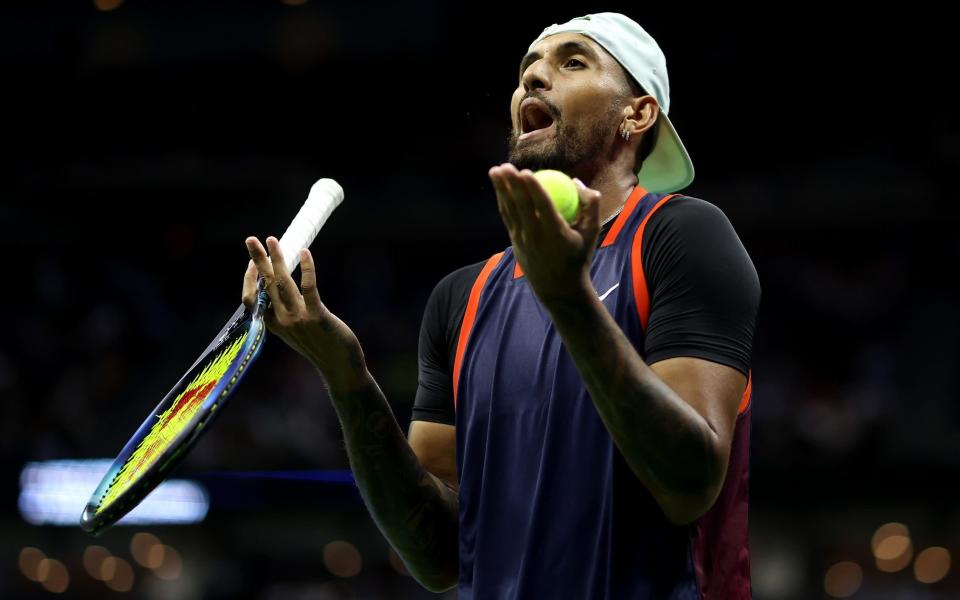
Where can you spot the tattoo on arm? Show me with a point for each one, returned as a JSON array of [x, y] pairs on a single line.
[[416, 512], [663, 439]]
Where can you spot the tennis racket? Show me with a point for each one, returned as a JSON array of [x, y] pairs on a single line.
[[164, 439]]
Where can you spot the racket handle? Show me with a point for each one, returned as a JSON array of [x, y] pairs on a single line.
[[325, 195]]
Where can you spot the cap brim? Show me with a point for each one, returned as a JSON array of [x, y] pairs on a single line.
[[668, 168]]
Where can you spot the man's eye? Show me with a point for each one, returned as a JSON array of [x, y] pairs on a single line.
[[574, 63]]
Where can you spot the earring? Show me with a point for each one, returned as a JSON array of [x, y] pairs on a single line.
[[625, 134]]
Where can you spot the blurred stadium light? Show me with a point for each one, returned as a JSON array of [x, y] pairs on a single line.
[[55, 492]]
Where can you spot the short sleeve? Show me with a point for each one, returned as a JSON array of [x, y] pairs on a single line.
[[704, 290], [439, 331]]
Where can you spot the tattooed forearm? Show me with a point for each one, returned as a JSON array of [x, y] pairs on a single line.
[[416, 512], [663, 439]]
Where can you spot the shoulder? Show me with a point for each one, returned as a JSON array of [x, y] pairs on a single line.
[[456, 284], [444, 313], [691, 224], [448, 300], [702, 287], [691, 234], [688, 212]]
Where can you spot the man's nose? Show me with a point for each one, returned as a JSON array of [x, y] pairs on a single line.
[[536, 76]]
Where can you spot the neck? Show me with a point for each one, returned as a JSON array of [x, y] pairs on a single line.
[[614, 185]]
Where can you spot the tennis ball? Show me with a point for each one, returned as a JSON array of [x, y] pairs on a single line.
[[562, 191]]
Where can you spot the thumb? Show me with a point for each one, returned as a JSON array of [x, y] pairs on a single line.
[[308, 283]]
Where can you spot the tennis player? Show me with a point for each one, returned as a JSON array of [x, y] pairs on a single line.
[[582, 422]]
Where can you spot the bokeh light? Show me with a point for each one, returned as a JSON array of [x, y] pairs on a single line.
[[843, 579], [53, 575], [170, 565], [932, 565], [894, 553], [155, 556], [885, 531], [29, 560], [342, 559], [93, 557], [107, 5], [117, 574], [147, 550], [892, 548]]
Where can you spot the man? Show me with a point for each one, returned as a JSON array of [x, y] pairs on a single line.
[[581, 427]]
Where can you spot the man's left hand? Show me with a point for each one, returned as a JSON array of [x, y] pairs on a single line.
[[554, 255]]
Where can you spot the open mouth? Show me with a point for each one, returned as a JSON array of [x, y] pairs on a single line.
[[535, 117]]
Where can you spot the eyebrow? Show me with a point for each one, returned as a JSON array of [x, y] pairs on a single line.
[[566, 48]]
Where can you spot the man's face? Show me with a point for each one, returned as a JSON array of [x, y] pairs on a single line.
[[568, 105]]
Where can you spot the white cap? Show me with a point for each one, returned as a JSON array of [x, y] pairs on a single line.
[[668, 168]]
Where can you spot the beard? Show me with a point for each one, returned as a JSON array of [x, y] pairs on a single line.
[[569, 148]]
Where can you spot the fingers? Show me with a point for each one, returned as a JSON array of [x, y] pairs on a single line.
[[249, 294], [283, 282], [265, 267], [308, 283], [259, 257], [520, 196], [513, 199], [588, 223], [277, 259]]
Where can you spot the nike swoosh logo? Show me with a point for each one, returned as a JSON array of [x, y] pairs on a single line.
[[608, 292]]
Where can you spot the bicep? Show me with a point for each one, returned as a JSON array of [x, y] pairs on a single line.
[[435, 446]]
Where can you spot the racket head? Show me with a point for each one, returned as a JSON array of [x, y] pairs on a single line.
[[161, 443]]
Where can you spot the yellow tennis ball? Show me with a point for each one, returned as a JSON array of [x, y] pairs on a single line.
[[562, 191]]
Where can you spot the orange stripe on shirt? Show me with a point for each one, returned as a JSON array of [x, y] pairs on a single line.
[[469, 317], [640, 295], [745, 401], [629, 205]]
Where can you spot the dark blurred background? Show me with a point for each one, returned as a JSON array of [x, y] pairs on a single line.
[[143, 141]]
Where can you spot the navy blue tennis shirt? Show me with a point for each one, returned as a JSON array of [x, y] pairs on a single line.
[[548, 506]]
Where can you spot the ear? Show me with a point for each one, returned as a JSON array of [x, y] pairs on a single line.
[[640, 116]]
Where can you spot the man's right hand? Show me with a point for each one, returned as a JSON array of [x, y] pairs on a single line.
[[415, 510], [299, 317]]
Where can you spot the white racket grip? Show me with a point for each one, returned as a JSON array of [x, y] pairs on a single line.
[[325, 195]]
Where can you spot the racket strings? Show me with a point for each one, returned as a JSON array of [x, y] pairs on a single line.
[[173, 421]]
